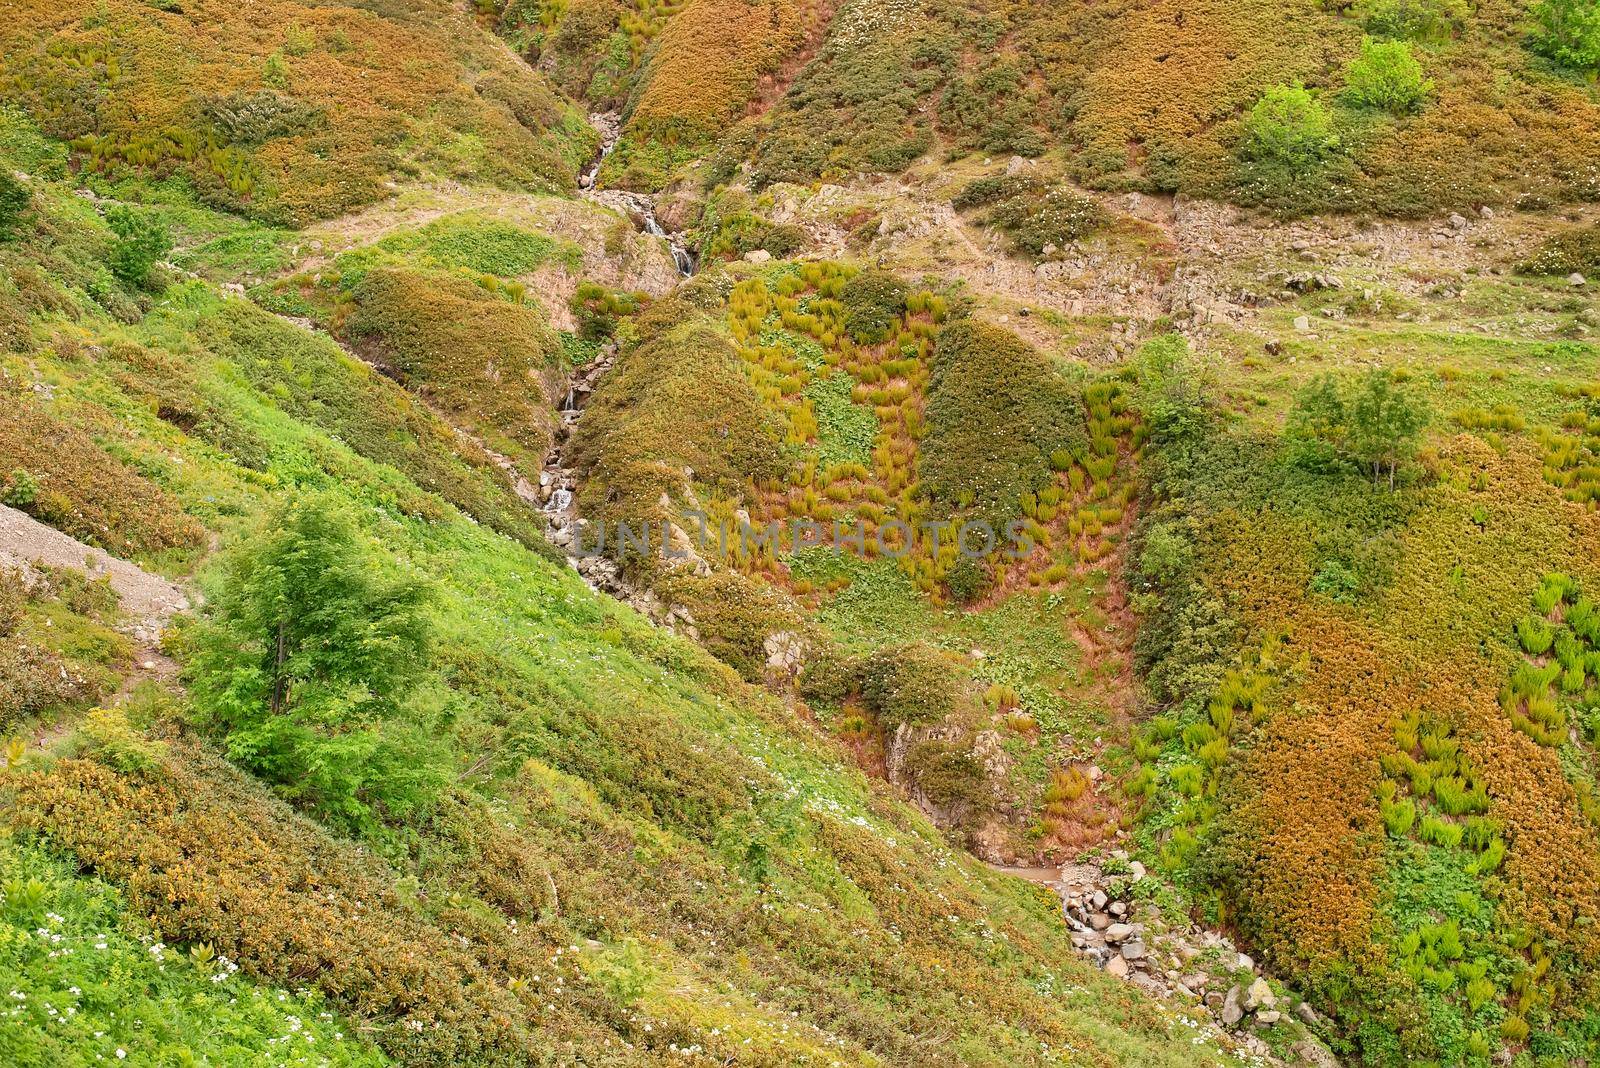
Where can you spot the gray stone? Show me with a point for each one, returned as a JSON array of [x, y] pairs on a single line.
[[1098, 900], [1268, 1018], [1302, 323], [1576, 280], [1138, 870], [1246, 962], [1119, 908], [1232, 1011], [1315, 1054], [1259, 996], [1119, 932], [1133, 950], [1099, 921], [1307, 1014]]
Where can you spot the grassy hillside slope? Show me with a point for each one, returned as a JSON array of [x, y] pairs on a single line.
[[572, 839]]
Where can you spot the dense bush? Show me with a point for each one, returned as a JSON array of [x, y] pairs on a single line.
[[1037, 214], [733, 615], [996, 412], [14, 200], [951, 779], [1577, 249], [1386, 76], [298, 129], [1568, 31], [141, 241], [307, 667], [1413, 20], [912, 684], [480, 358], [96, 989], [81, 488], [1289, 128], [677, 401], [33, 679], [872, 300]]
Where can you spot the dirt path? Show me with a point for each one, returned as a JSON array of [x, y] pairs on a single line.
[[148, 601]]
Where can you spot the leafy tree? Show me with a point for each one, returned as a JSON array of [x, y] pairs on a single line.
[[1388, 77], [308, 666], [1568, 31], [1290, 128], [14, 200], [1374, 426], [1173, 393], [141, 241], [1386, 424]]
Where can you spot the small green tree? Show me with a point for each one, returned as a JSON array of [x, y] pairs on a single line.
[[1289, 128], [141, 241], [14, 200], [1386, 423], [1568, 31], [1387, 76], [308, 662], [1374, 426]]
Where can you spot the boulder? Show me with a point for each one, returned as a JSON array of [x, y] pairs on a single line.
[[1576, 280], [1259, 996], [1119, 932], [1232, 1011], [1118, 967]]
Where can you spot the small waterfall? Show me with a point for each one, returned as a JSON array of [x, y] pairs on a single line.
[[640, 204]]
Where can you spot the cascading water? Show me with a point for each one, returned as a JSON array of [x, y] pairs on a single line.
[[639, 204]]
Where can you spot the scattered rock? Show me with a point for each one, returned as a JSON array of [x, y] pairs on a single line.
[[1133, 950], [1457, 222], [1302, 323], [1247, 962], [1268, 1018], [1118, 967], [1259, 996], [1134, 866], [1576, 280], [759, 255], [1232, 1011], [1315, 1054], [1119, 932], [1307, 1014]]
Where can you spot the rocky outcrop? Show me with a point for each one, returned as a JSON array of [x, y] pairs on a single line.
[[1117, 924]]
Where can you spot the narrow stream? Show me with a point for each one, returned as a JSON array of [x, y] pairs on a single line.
[[642, 205]]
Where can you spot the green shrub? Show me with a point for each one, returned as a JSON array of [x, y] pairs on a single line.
[[1577, 249], [996, 412], [828, 677], [20, 490], [307, 663], [141, 241], [1386, 76], [951, 778], [913, 684], [734, 615], [1415, 20], [14, 200], [873, 302], [1335, 581], [1289, 128], [1568, 31]]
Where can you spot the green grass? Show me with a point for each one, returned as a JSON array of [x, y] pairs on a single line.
[[87, 983]]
